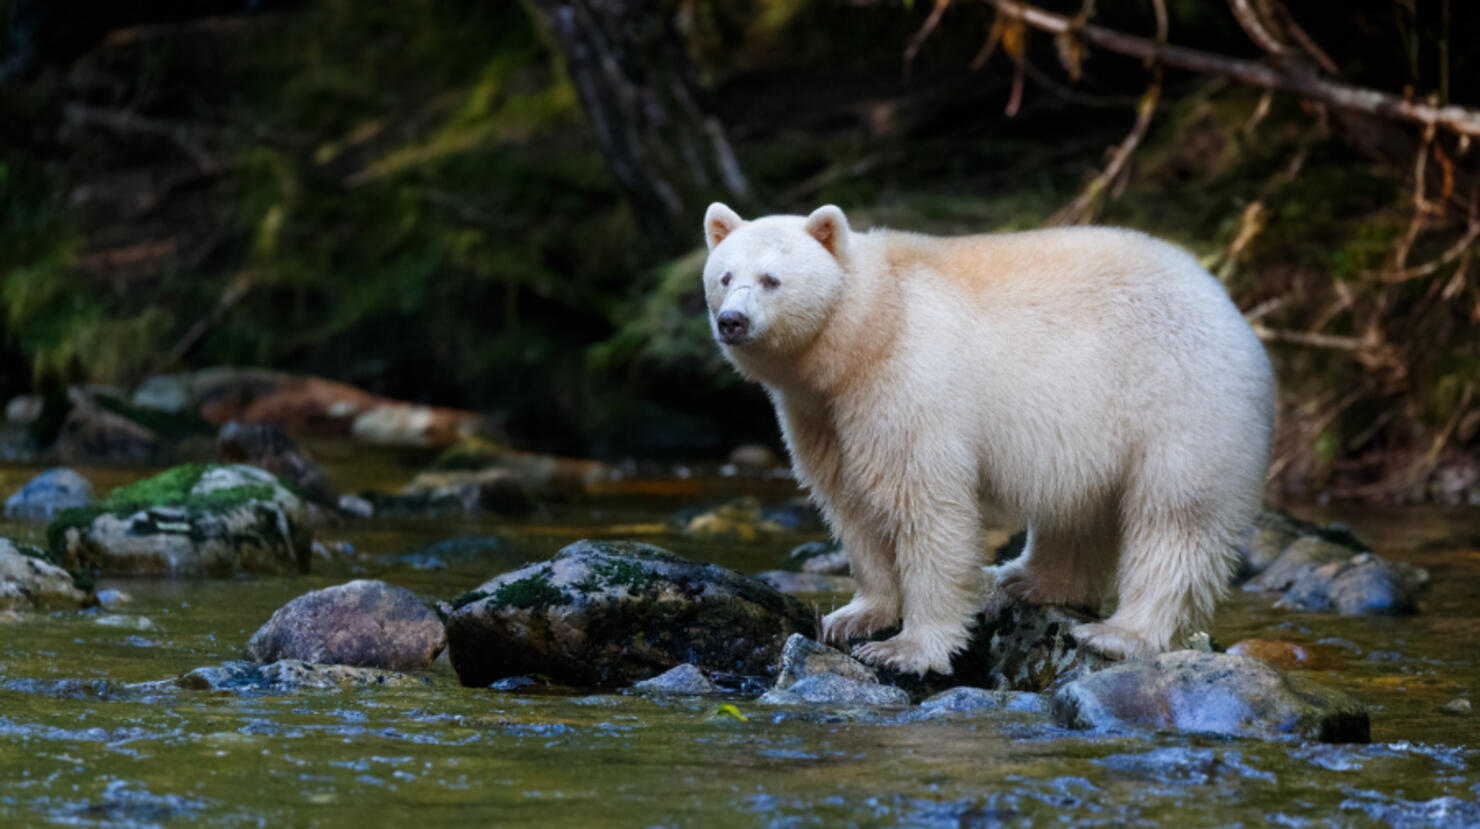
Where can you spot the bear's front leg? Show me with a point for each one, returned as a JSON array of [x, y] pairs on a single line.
[[938, 556], [875, 605]]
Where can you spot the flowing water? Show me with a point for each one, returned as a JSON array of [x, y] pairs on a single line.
[[78, 747]]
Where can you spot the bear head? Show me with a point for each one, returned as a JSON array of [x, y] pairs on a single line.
[[771, 284]]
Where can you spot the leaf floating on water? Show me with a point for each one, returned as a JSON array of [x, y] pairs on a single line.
[[728, 709]]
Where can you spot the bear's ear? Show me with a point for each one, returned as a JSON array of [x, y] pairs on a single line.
[[829, 227], [719, 221]]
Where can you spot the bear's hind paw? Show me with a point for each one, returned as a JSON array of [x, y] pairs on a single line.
[[910, 654]]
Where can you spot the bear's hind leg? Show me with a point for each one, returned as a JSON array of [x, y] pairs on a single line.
[[1173, 569], [1065, 565]]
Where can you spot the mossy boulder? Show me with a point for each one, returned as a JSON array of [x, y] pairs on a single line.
[[30, 581], [608, 613], [190, 521]]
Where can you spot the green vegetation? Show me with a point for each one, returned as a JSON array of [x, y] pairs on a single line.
[[531, 592]]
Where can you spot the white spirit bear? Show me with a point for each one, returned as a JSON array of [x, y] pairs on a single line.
[[1094, 384]]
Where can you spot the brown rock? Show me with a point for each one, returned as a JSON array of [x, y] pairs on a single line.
[[1287, 655], [364, 623]]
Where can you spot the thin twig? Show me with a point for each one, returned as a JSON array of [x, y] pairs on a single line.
[[1458, 119]]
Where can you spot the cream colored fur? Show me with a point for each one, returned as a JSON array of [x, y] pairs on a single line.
[[1096, 385]]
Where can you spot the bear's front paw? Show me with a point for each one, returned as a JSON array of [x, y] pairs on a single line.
[[913, 652], [1114, 642], [1019, 583], [855, 619]]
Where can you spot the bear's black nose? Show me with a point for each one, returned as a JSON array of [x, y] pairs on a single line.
[[732, 326]]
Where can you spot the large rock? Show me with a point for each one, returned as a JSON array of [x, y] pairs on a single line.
[[49, 493], [611, 613], [193, 520], [28, 581], [367, 624], [1209, 693], [267, 447], [1014, 646]]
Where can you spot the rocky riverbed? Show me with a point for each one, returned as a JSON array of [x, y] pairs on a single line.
[[147, 708]]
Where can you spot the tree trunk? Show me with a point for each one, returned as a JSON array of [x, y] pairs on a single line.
[[651, 118]]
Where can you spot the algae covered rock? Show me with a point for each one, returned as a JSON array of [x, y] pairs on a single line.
[[194, 520], [364, 623], [28, 581], [1210, 693], [281, 677], [49, 493], [606, 613]]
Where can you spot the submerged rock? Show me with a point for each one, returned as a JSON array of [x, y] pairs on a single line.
[[281, 677], [49, 493], [29, 581], [364, 623], [267, 447], [604, 613], [737, 520], [1364, 585], [685, 680], [832, 689], [822, 557], [498, 491], [788, 582], [1209, 693], [192, 520], [968, 700]]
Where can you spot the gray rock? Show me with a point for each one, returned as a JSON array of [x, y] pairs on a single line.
[[356, 506], [1305, 553], [1274, 532], [191, 520], [1209, 693], [171, 393], [284, 676], [1364, 585], [499, 491], [802, 657], [824, 557], [789, 582], [831, 689], [28, 581], [49, 493], [364, 623], [967, 700], [606, 613], [685, 680]]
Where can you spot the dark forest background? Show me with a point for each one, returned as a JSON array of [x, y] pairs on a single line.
[[496, 206]]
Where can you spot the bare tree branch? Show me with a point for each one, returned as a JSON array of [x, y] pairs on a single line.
[[1458, 119]]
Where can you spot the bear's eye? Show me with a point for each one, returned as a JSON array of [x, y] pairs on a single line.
[[770, 282], [725, 280]]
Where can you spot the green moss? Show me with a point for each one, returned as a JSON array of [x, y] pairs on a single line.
[[533, 591], [617, 573]]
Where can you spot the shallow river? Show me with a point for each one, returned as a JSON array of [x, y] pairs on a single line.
[[78, 748]]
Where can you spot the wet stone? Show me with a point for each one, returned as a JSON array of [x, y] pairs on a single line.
[[190, 521], [607, 614], [1363, 585], [737, 520], [1209, 693], [49, 493], [1305, 553], [363, 623], [967, 700], [29, 581], [285, 676], [802, 657], [824, 557], [831, 689], [1458, 707], [685, 680], [789, 582], [1439, 813]]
